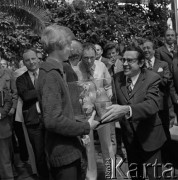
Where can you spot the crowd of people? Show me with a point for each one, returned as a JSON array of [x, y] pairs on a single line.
[[141, 82]]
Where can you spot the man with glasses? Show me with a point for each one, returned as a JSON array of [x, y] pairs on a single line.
[[96, 71], [136, 105]]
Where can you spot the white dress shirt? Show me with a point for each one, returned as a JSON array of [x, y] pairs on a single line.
[[101, 76], [33, 80], [134, 80]]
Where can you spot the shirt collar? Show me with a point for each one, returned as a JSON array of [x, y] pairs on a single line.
[[55, 63], [134, 79], [169, 46], [94, 65], [31, 73], [100, 58], [152, 61]]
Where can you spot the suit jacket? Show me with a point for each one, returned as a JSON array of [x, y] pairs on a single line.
[[71, 76], [8, 76], [5, 124], [163, 54], [144, 124], [28, 94], [162, 68], [175, 72]]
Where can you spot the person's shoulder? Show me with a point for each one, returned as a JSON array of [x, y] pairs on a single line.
[[119, 76], [22, 77], [99, 63], [151, 75], [20, 71], [46, 66], [162, 63], [103, 59]]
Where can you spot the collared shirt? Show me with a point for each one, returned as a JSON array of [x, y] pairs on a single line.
[[170, 47], [134, 80], [32, 75], [152, 61], [33, 79], [99, 59], [100, 74], [77, 71]]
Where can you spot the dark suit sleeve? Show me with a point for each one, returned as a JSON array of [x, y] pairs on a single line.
[[23, 89], [151, 102], [54, 120], [166, 77], [157, 54], [7, 104], [173, 92]]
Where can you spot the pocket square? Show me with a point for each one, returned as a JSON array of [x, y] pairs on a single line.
[[160, 70]]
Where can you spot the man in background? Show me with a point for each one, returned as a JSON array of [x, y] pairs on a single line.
[[96, 71], [26, 86], [112, 53]]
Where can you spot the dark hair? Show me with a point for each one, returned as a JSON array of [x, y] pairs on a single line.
[[141, 56], [87, 46], [153, 45], [30, 49], [108, 46]]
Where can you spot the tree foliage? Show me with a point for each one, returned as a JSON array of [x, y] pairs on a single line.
[[14, 39], [97, 21], [29, 12]]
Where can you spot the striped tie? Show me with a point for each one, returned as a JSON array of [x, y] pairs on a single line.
[[35, 77], [129, 83]]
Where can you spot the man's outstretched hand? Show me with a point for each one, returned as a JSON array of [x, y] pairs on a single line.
[[92, 122]]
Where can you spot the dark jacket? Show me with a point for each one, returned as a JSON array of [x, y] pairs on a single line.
[[28, 94], [162, 68], [175, 71], [5, 106], [163, 54], [144, 124], [8, 76], [70, 74], [62, 144]]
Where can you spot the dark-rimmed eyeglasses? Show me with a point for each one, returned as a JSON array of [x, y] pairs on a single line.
[[129, 60], [88, 58]]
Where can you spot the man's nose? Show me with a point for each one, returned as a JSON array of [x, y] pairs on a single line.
[[31, 61], [89, 60], [125, 63]]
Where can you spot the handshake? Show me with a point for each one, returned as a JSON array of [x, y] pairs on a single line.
[[113, 113]]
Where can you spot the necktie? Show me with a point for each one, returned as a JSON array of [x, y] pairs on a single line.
[[35, 77], [149, 65], [172, 50], [129, 83], [90, 74]]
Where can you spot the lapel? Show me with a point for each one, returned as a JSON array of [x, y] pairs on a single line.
[[123, 86], [29, 80], [138, 84], [165, 50], [156, 65]]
